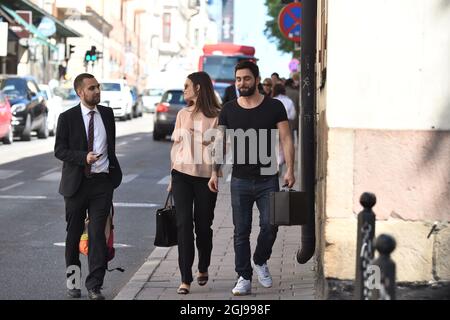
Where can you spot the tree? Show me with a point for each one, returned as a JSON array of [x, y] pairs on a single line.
[[272, 31]]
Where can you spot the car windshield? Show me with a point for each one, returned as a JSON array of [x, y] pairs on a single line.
[[66, 93], [173, 96], [107, 86], [220, 67], [13, 88]]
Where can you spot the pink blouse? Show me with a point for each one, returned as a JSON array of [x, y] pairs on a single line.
[[192, 143]]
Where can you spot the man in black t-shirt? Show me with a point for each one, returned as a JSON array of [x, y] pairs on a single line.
[[252, 123]]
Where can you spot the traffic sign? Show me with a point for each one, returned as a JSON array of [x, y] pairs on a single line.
[[290, 21]]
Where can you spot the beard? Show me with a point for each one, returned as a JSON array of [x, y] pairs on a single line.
[[247, 92], [94, 100]]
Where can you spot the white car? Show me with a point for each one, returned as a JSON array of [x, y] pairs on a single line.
[[116, 95], [54, 105], [150, 98]]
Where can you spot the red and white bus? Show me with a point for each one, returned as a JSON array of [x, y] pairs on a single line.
[[219, 60]]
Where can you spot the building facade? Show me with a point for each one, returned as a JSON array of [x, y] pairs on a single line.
[[384, 127]]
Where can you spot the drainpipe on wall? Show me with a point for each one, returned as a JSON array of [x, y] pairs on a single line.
[[308, 110]]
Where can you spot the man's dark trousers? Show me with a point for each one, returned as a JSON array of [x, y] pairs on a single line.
[[95, 197]]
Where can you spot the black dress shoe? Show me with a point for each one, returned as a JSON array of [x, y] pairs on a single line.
[[74, 293], [95, 294]]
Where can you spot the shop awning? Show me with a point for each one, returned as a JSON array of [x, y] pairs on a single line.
[[38, 13], [29, 27]]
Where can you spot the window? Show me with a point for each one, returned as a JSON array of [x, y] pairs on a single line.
[[166, 27]]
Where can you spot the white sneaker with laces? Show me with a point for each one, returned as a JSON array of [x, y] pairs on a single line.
[[264, 277], [243, 287]]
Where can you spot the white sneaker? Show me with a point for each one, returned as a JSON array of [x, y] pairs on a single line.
[[264, 277], [242, 288]]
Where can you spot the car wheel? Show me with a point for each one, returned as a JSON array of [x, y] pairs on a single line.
[[26, 133], [8, 139], [157, 136], [43, 131]]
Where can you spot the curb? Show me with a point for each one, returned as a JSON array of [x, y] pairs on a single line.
[[135, 285]]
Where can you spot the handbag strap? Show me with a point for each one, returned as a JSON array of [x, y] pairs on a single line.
[[169, 200]]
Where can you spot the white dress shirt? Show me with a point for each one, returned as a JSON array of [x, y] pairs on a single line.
[[100, 139]]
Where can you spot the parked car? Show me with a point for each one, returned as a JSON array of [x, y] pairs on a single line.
[[171, 102], [137, 103], [69, 97], [54, 105], [6, 129], [150, 98], [116, 94], [28, 106]]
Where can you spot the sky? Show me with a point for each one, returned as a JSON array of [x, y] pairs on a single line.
[[249, 24]]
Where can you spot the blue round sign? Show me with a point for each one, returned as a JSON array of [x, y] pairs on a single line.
[[290, 21]]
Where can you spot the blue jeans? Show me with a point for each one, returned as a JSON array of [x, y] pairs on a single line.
[[244, 193]]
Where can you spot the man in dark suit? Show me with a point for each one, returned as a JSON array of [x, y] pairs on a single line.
[[85, 142], [230, 94]]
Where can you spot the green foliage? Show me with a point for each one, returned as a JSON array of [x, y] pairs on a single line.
[[272, 31]]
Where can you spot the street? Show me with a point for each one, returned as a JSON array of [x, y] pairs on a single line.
[[32, 215]]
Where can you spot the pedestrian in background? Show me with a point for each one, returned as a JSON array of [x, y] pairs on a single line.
[[267, 87], [279, 93], [293, 92], [194, 202], [85, 142], [252, 113]]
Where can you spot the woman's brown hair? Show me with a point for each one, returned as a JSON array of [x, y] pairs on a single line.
[[207, 101]]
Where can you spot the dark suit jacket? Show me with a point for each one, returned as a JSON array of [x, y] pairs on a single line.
[[230, 94], [71, 147]]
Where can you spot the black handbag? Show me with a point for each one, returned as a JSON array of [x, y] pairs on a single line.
[[166, 225], [288, 208]]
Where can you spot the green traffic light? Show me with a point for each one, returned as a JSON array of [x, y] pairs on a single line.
[[88, 58], [94, 58]]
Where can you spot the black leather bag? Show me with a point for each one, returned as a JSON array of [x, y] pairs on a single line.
[[166, 225], [288, 208]]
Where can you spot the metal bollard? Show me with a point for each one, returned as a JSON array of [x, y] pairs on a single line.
[[385, 289], [364, 245]]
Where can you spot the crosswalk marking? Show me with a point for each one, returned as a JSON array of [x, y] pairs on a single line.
[[6, 174], [12, 186], [134, 205], [164, 180], [25, 197], [116, 245], [129, 177], [54, 176], [49, 171]]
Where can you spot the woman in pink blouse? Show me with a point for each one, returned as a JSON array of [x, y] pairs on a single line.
[[191, 160]]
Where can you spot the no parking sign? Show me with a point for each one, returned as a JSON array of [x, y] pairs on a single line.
[[290, 21]]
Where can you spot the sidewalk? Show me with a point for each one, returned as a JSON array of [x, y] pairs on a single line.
[[159, 276]]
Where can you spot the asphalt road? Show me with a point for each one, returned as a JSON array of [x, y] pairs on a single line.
[[32, 213]]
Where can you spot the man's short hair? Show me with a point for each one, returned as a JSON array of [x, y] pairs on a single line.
[[276, 75], [247, 64], [79, 80]]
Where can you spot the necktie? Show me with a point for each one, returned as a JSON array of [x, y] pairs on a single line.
[[90, 140]]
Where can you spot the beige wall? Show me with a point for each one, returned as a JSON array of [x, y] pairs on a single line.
[[384, 127], [388, 64]]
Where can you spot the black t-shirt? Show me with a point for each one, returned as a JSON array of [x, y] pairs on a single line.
[[257, 132]]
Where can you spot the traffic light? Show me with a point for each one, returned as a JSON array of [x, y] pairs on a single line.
[[70, 51], [87, 56], [93, 54]]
